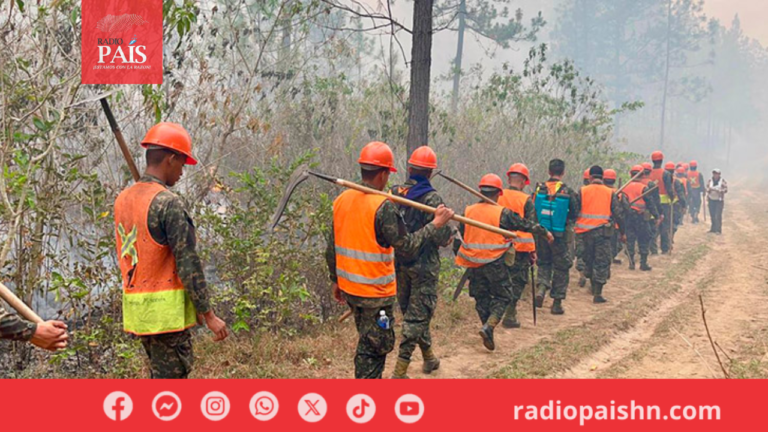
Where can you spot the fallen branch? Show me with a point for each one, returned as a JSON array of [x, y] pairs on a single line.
[[759, 268], [723, 351], [709, 336], [714, 375]]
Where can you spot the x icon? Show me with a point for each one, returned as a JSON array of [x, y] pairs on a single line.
[[312, 407]]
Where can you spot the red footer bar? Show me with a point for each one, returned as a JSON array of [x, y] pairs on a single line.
[[541, 405]]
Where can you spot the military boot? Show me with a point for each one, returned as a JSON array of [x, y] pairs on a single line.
[[557, 307], [632, 263], [401, 369], [644, 263], [539, 300], [597, 289], [510, 316], [487, 333], [431, 362], [582, 280], [617, 261]]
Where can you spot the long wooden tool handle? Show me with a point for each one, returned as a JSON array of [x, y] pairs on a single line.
[[468, 189], [19, 305], [644, 195], [426, 208], [630, 181], [120, 140]]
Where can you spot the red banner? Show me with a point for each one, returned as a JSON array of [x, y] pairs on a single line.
[[448, 405], [122, 42]]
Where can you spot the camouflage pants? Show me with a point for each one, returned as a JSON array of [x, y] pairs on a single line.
[[170, 354], [555, 262], [616, 244], [680, 212], [653, 230], [374, 342], [491, 287], [664, 230], [579, 253], [519, 274], [694, 205], [417, 295], [638, 231], [597, 254]]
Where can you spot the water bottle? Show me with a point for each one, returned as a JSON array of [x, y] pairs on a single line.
[[383, 320]]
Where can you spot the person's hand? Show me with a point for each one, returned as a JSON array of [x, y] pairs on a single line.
[[337, 294], [216, 325], [50, 335], [534, 257], [442, 215], [550, 238]]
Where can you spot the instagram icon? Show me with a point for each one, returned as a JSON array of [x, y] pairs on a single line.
[[215, 406]]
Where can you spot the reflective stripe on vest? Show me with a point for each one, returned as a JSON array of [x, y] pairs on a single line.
[[363, 267], [481, 247], [633, 191], [154, 299], [694, 179], [515, 200], [595, 207]]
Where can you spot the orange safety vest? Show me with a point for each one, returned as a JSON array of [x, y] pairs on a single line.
[[482, 247], [595, 207], [657, 175], [515, 200], [154, 299], [694, 179], [363, 267], [633, 191]]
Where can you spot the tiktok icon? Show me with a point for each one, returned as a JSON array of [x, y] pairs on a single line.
[[361, 408], [118, 406]]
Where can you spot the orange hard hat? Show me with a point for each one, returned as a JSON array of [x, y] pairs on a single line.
[[681, 170], [647, 166], [686, 166], [609, 174], [694, 164], [586, 174], [171, 136], [521, 169], [423, 157], [636, 169], [657, 156], [491, 180], [378, 154], [669, 166]]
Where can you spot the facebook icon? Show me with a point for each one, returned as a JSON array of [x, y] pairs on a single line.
[[118, 406]]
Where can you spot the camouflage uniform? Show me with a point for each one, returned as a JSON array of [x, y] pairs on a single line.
[[417, 276], [556, 260], [637, 227], [170, 354], [597, 247], [681, 206], [520, 269], [374, 343], [14, 328], [490, 285], [663, 230]]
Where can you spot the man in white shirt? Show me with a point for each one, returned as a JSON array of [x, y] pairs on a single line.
[[716, 190]]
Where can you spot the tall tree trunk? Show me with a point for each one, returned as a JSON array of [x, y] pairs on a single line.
[[666, 74], [421, 61], [459, 55]]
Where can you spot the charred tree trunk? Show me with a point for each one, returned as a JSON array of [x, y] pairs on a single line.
[[421, 61], [459, 55]]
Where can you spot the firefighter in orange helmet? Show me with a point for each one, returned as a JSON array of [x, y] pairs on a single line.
[[417, 275], [609, 178], [164, 288], [483, 253], [366, 231], [664, 179], [600, 209], [695, 191], [523, 254]]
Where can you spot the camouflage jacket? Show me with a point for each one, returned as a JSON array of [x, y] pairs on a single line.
[[170, 224], [14, 328], [428, 256], [390, 231]]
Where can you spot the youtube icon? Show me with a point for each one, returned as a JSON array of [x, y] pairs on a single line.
[[409, 408]]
